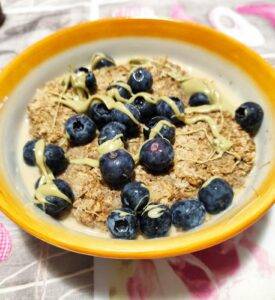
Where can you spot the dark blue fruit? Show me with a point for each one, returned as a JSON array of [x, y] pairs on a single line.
[[117, 167], [37, 183], [155, 220], [90, 80], [111, 130], [157, 155], [198, 99], [216, 196], [135, 196], [64, 187], [140, 80], [188, 214], [132, 128], [165, 131], [122, 91], [80, 129], [55, 158], [147, 109], [55, 205], [122, 223], [249, 116], [105, 61], [100, 114], [28, 153], [165, 110], [82, 69]]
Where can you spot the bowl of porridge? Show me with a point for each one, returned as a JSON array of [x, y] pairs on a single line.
[[136, 138]]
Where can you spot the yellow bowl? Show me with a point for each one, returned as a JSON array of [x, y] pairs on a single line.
[[207, 49]]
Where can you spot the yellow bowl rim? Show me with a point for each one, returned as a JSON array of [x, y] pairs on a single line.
[[205, 37]]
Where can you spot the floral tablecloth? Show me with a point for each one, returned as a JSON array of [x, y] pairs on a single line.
[[241, 268]]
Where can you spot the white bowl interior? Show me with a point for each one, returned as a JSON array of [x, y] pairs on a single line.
[[222, 71]]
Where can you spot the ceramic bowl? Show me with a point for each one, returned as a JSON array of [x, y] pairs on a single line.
[[226, 59]]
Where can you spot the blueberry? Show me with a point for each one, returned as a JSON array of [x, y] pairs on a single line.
[[164, 131], [140, 80], [122, 223], [102, 60], [249, 116], [132, 128], [100, 114], [135, 196], [28, 153], [165, 110], [80, 129], [155, 220], [55, 158], [123, 93], [90, 82], [55, 205], [64, 187], [37, 183], [117, 167], [147, 110], [157, 155], [110, 130], [188, 214], [82, 69], [216, 195], [198, 99]]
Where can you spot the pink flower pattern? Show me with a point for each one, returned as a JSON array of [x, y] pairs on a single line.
[[5, 243], [178, 12], [203, 272], [263, 10], [144, 281]]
